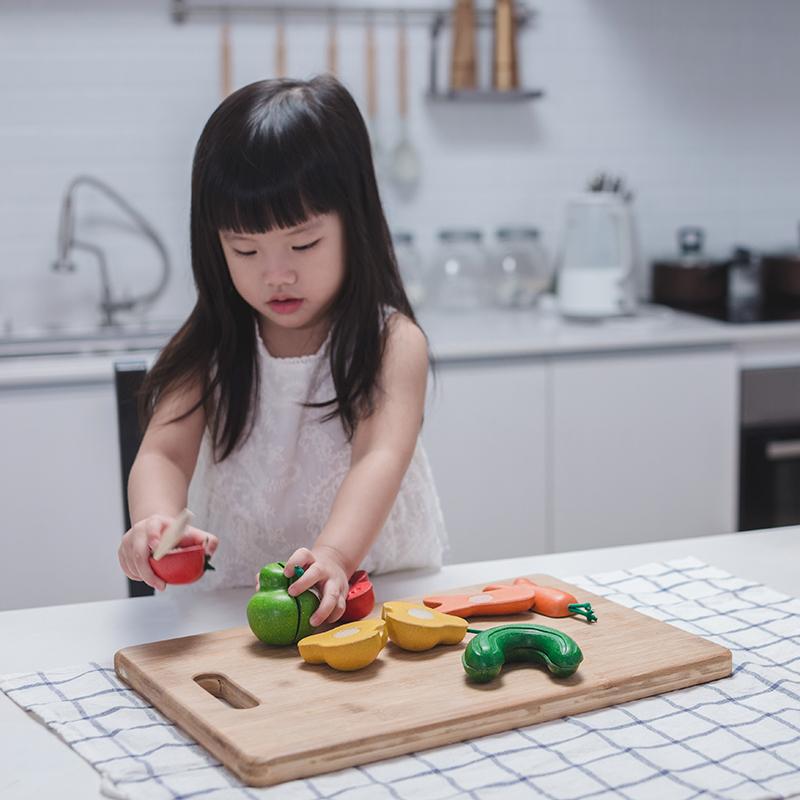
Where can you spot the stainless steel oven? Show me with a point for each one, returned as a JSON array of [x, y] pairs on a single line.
[[769, 475]]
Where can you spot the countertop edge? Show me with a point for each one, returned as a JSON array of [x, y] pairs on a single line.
[[489, 336]]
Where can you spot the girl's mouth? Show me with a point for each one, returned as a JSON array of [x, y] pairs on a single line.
[[286, 306]]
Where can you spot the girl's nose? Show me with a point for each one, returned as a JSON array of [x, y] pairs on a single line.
[[280, 277]]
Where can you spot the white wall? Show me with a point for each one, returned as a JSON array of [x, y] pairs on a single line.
[[695, 101]]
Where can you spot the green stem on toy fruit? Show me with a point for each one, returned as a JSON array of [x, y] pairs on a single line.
[[298, 572], [583, 608]]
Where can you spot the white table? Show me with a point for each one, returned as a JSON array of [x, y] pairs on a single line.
[[35, 764]]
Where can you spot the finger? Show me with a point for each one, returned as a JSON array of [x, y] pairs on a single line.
[[341, 604], [311, 576], [153, 529], [328, 604], [141, 561], [300, 558], [126, 558], [132, 572], [193, 536], [123, 562]]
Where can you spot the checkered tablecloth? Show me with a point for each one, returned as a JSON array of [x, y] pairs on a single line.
[[734, 738]]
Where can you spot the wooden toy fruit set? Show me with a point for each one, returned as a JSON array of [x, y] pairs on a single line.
[[277, 618], [271, 716]]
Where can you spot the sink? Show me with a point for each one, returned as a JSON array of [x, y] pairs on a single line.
[[42, 340]]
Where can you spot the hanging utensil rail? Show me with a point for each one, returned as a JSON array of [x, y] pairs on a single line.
[[419, 15], [435, 19]]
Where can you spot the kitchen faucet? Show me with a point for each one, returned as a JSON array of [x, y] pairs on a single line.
[[67, 243]]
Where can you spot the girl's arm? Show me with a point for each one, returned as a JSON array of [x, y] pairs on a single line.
[[383, 445], [159, 479], [158, 484]]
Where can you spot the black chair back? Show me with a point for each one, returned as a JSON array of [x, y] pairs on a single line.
[[128, 377]]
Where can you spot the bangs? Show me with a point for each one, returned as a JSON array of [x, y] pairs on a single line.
[[255, 201], [277, 174]]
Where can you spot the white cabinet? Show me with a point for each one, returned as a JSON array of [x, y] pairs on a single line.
[[568, 452], [644, 447], [60, 495], [485, 434], [529, 454]]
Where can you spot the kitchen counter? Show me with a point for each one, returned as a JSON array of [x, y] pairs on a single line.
[[46, 638], [454, 336], [516, 333], [495, 333]]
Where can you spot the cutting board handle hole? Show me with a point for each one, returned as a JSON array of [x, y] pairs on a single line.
[[225, 690]]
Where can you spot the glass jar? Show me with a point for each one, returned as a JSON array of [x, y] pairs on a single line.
[[460, 277], [409, 262], [521, 270]]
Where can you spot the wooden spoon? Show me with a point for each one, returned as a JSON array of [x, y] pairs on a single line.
[[280, 47], [333, 50], [372, 98], [225, 66]]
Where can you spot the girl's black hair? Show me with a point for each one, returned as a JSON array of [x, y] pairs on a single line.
[[271, 155]]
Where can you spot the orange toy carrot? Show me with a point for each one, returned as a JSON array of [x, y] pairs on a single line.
[[556, 603], [492, 601]]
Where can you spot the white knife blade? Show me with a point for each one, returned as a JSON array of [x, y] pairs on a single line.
[[173, 534]]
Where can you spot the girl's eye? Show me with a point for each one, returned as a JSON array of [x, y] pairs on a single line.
[[244, 253], [306, 246]]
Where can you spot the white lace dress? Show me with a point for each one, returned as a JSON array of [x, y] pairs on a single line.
[[274, 493]]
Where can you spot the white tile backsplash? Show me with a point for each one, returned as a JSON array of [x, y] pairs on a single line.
[[696, 102]]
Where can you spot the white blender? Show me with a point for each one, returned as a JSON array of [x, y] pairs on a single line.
[[597, 258]]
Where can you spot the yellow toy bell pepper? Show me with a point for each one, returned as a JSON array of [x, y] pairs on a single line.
[[415, 627], [348, 647]]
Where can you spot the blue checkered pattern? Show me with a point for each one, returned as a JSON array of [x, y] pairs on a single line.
[[736, 738]]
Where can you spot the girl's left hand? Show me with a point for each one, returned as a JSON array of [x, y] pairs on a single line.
[[323, 568]]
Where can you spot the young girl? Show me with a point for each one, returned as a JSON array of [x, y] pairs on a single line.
[[286, 411]]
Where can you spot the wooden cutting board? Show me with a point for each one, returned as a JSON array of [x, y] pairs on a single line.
[[270, 717]]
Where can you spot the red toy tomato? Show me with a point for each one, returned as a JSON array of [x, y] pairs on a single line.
[[182, 565], [360, 598]]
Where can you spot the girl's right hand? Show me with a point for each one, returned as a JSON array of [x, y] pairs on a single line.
[[141, 540]]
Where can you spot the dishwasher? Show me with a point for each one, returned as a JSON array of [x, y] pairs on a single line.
[[769, 467]]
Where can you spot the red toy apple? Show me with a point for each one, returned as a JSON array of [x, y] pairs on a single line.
[[182, 565], [360, 598]]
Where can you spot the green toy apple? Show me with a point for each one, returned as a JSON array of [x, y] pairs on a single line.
[[276, 617]]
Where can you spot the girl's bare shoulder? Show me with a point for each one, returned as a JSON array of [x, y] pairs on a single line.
[[406, 344]]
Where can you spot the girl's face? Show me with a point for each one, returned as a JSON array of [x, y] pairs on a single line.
[[290, 276]]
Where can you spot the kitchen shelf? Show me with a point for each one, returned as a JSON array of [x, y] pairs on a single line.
[[524, 16], [182, 10], [484, 96], [435, 19]]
